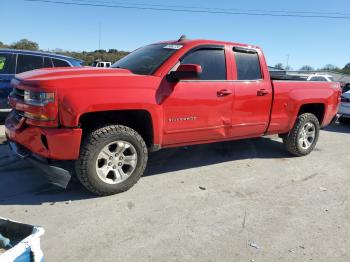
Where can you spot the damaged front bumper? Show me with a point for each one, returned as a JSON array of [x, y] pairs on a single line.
[[52, 150], [56, 172]]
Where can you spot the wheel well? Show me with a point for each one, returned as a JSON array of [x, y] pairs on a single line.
[[139, 120], [316, 109]]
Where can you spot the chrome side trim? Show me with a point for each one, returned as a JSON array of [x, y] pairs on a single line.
[[195, 129]]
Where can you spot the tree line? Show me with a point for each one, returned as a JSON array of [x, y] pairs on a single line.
[[327, 67], [113, 55], [110, 55]]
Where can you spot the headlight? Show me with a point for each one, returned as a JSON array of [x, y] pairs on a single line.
[[38, 98]]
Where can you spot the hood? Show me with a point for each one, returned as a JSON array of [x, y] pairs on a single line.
[[47, 74]]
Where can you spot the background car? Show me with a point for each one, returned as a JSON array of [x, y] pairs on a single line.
[[322, 78], [344, 109], [98, 63], [17, 61], [346, 88]]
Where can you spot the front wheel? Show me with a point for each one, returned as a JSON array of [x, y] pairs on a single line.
[[302, 139], [112, 159]]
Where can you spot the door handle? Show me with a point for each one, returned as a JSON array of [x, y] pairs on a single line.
[[262, 92], [224, 92]]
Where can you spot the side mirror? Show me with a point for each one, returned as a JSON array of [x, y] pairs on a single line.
[[186, 72]]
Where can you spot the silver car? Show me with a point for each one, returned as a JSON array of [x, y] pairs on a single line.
[[344, 109]]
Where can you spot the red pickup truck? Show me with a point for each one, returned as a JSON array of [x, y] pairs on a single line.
[[100, 124]]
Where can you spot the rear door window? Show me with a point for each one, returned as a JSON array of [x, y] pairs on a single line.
[[47, 62], [6, 64], [60, 63], [211, 60], [248, 65], [28, 62]]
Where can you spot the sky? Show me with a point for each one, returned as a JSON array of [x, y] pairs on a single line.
[[298, 41]]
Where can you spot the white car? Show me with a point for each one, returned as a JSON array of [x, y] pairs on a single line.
[[101, 64], [344, 109], [322, 78]]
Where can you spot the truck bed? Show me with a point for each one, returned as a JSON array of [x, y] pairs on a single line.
[[283, 75], [290, 94]]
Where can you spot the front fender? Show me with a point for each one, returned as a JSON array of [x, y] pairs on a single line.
[[74, 104]]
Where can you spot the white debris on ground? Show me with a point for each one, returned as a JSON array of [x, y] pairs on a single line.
[[2, 134]]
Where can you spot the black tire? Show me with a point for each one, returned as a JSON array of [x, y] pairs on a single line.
[[291, 140], [93, 143]]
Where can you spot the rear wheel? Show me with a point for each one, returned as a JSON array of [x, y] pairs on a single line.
[[112, 160], [302, 139]]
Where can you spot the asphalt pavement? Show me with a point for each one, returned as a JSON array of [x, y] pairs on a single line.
[[244, 200]]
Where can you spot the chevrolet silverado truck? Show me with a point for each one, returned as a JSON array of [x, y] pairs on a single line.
[[100, 124]]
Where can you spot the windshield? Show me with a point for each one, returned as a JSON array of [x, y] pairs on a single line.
[[146, 60]]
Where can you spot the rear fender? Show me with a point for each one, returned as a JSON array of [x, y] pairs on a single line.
[[302, 97]]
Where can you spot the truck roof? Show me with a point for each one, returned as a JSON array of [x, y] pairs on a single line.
[[206, 42]]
